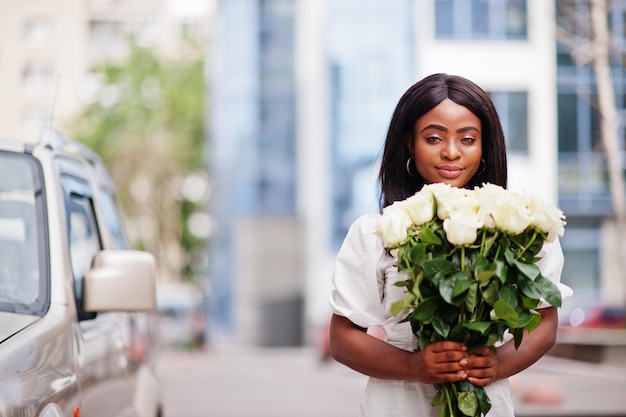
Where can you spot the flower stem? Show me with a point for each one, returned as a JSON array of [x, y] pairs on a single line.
[[463, 258], [497, 252], [482, 241], [530, 242], [449, 399]]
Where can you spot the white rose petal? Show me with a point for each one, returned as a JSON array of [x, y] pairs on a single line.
[[546, 217], [462, 228], [488, 196], [447, 197], [511, 214], [392, 225], [420, 207]]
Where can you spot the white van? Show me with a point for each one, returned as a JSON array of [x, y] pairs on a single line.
[[74, 338]]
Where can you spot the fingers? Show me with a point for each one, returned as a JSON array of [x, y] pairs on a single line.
[[448, 361], [445, 346], [481, 377], [445, 355], [480, 382], [442, 361], [481, 367]]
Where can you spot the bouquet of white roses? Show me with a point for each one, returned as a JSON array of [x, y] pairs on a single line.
[[469, 257]]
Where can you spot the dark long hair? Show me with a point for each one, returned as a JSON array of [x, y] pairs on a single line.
[[396, 183]]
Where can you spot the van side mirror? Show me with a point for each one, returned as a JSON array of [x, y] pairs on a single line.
[[120, 280]]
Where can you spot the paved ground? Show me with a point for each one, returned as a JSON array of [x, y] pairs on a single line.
[[292, 382], [241, 382], [577, 389]]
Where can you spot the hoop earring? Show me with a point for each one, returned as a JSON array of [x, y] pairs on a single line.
[[481, 167], [408, 166]]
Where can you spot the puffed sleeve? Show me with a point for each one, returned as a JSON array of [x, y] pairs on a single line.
[[551, 266], [357, 277]]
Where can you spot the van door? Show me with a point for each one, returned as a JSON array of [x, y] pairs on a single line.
[[103, 363]]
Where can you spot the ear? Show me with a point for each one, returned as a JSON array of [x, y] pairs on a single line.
[[409, 142]]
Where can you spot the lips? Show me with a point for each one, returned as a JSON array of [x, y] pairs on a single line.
[[449, 171]]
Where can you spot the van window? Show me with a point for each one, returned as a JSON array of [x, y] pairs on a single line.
[[23, 287], [84, 244]]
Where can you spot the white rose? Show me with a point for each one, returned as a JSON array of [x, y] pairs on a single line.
[[545, 217], [447, 197], [420, 207], [488, 196], [392, 225], [511, 214], [462, 227]]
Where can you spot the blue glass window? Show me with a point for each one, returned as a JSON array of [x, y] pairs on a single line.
[[512, 107], [481, 19]]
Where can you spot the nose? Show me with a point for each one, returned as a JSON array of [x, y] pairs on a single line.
[[450, 151]]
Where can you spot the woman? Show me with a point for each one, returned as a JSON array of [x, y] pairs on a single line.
[[444, 130]]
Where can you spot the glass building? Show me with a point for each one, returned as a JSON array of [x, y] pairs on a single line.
[[583, 178], [369, 52], [303, 94]]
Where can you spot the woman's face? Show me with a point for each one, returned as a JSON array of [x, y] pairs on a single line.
[[447, 144]]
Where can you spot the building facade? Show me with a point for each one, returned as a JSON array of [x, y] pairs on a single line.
[[42, 61], [351, 62], [343, 115], [48, 50]]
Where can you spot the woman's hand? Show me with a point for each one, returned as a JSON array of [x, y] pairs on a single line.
[[436, 363], [481, 366], [443, 362]]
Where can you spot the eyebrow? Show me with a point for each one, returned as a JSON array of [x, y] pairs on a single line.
[[443, 129]]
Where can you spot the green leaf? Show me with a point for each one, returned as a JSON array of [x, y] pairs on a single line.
[[417, 254], [529, 303], [458, 333], [437, 266], [542, 288], [504, 311], [405, 283], [425, 310], [475, 341], [441, 326], [484, 271], [502, 271], [550, 291], [471, 299], [480, 262], [490, 293], [460, 286], [428, 236], [403, 304], [447, 285], [484, 404], [468, 403], [534, 322], [479, 326], [509, 256], [439, 398], [508, 295], [448, 312], [517, 336], [526, 318], [492, 338], [530, 289], [530, 270], [396, 308]]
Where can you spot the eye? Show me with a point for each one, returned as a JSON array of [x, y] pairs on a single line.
[[433, 139], [468, 140]]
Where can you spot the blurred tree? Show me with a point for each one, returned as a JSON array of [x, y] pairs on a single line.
[[591, 44], [146, 121]]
